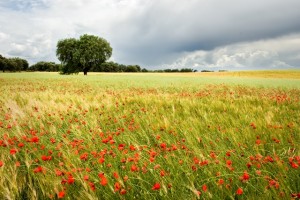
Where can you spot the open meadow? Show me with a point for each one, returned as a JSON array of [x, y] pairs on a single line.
[[229, 135]]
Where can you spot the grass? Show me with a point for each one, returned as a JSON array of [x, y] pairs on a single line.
[[149, 136], [274, 79]]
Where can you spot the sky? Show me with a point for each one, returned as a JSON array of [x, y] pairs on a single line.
[[160, 34]]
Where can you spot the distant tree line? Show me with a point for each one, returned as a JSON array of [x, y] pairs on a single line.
[[18, 64], [175, 70], [115, 67], [221, 70], [45, 67], [13, 64], [205, 70]]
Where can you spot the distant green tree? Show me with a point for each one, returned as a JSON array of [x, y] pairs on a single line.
[[138, 68], [2, 63], [122, 68], [131, 68], [186, 70], [167, 70], [110, 67], [84, 54], [20, 63], [13, 64], [25, 65], [45, 66]]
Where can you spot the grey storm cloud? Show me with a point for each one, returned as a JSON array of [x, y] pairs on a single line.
[[205, 25], [165, 33]]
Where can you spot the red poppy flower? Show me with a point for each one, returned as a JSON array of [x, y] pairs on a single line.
[[239, 191], [253, 125], [123, 191], [245, 177], [103, 179], [204, 162], [194, 168], [132, 148], [58, 172], [204, 188], [52, 140], [117, 186], [196, 160], [92, 186], [101, 160], [152, 153], [213, 155], [86, 177], [134, 168], [174, 147], [116, 175], [121, 146], [221, 181], [294, 165], [38, 169], [228, 162], [13, 151], [34, 139], [70, 180], [162, 173], [61, 194], [273, 183], [46, 158], [84, 156], [1, 163], [163, 145], [20, 145], [156, 186]]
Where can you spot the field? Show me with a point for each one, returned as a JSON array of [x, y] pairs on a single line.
[[229, 135]]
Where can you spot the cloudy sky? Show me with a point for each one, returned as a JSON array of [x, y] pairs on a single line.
[[199, 34]]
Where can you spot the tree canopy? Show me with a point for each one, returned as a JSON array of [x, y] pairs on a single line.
[[82, 54], [45, 66], [13, 64]]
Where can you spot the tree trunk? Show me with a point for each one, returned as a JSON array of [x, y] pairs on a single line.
[[85, 71]]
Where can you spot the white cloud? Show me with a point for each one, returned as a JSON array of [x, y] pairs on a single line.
[[270, 53], [3, 36]]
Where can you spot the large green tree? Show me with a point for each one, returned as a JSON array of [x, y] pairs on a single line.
[[82, 54]]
